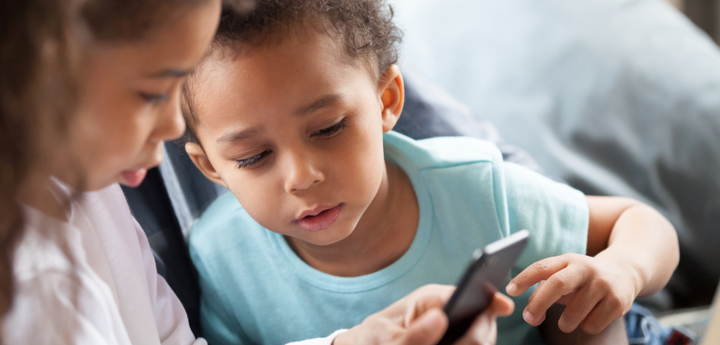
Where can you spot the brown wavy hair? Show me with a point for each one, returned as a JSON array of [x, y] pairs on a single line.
[[37, 86], [41, 43]]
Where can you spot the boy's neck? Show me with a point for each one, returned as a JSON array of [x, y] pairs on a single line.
[[383, 234]]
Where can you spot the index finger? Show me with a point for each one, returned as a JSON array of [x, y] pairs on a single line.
[[540, 270]]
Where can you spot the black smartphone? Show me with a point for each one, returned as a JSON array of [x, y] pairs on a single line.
[[482, 278]]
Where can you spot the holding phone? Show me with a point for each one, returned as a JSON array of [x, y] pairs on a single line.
[[475, 290]]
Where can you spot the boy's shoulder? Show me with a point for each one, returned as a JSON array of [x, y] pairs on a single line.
[[441, 152]]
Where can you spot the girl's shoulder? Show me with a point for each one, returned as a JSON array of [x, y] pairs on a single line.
[[58, 298]]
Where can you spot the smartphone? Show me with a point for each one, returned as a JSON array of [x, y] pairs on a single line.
[[487, 271]]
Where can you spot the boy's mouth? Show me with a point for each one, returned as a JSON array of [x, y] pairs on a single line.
[[319, 219]]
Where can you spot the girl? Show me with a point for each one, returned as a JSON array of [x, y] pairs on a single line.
[[76, 268]]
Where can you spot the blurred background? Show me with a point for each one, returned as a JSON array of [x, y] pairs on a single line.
[[614, 97], [704, 13]]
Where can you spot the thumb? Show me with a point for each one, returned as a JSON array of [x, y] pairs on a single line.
[[428, 329], [501, 305]]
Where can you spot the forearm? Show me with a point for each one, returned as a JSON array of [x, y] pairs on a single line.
[[646, 242]]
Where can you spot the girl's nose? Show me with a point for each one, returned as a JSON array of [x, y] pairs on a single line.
[[170, 124], [301, 174]]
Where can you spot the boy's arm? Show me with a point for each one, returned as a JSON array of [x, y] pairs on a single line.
[[632, 251], [630, 232]]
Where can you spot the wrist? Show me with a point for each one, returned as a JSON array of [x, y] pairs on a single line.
[[638, 279]]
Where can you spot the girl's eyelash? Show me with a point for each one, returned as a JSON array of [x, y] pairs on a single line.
[[330, 131], [154, 98], [244, 163]]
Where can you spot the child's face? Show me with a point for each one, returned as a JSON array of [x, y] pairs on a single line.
[[294, 131], [130, 100]]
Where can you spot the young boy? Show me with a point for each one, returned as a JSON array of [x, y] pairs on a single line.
[[334, 216]]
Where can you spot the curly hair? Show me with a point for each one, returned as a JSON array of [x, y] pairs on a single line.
[[363, 27]]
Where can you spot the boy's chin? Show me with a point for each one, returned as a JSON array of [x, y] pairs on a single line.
[[327, 237]]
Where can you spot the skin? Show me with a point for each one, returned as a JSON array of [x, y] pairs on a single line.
[[130, 105], [632, 251], [418, 319], [250, 107], [130, 98], [261, 94]]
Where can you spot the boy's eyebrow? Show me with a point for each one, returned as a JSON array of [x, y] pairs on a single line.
[[235, 136], [171, 73], [321, 102]]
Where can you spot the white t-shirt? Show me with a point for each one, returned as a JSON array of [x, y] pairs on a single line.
[[92, 280]]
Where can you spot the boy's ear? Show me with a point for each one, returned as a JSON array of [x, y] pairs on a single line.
[[391, 89], [201, 161]]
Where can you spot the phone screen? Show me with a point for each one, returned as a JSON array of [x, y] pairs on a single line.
[[488, 270]]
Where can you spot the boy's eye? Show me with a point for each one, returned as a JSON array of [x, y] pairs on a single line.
[[153, 98], [330, 131], [244, 163]]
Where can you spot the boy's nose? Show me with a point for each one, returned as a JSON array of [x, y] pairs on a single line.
[[301, 175]]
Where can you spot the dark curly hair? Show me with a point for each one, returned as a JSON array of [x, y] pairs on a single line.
[[364, 27]]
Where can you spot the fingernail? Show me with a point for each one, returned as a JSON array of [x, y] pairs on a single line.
[[528, 317], [511, 288]]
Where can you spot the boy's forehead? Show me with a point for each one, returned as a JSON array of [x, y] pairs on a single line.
[[294, 76], [312, 42], [295, 66], [232, 134]]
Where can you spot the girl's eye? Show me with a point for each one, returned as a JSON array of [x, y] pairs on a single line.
[[244, 163], [330, 131], [153, 98]]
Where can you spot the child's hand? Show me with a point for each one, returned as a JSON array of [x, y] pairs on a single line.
[[418, 319], [595, 291]]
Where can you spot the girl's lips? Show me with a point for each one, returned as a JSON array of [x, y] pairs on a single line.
[[133, 178], [321, 221]]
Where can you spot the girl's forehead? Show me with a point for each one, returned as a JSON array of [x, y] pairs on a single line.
[[178, 45]]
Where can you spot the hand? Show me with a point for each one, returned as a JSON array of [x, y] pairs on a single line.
[[484, 330], [596, 291], [418, 319]]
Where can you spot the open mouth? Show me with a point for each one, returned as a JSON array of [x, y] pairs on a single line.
[[321, 220], [133, 178]]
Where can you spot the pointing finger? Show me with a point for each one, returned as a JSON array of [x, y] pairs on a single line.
[[558, 285], [541, 270]]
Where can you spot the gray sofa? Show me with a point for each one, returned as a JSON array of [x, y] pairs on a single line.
[[616, 97]]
